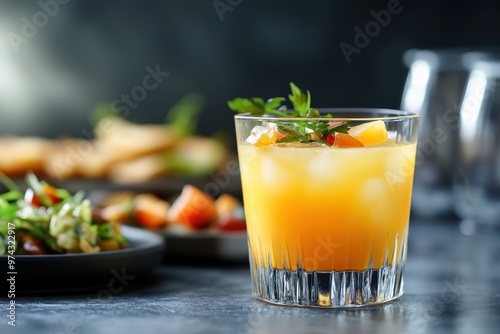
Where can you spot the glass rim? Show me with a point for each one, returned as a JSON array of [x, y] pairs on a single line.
[[378, 114], [446, 59]]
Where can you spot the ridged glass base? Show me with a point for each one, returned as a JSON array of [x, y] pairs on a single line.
[[328, 289]]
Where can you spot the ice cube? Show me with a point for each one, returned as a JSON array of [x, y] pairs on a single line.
[[323, 167], [374, 188], [272, 171], [376, 200]]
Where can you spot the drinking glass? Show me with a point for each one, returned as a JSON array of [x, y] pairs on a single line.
[[434, 90], [477, 179], [327, 226]]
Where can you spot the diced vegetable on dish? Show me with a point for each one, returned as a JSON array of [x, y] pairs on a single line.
[[150, 211], [47, 220], [193, 210]]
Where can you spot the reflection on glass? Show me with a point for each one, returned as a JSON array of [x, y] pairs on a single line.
[[477, 179], [434, 88], [418, 78]]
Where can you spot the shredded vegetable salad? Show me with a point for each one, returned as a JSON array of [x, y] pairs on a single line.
[[49, 220]]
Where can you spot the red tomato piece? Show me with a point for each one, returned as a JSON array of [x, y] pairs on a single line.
[[231, 223]]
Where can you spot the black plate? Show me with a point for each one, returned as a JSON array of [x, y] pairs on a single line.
[[112, 270], [208, 245]]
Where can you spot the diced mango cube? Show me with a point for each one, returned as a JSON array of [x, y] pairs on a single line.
[[371, 133], [345, 141], [263, 135]]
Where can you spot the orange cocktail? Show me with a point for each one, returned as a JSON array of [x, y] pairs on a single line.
[[314, 209]]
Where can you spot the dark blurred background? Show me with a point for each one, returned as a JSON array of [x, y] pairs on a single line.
[[77, 54]]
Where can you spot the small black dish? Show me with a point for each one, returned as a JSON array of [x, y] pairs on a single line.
[[65, 272]]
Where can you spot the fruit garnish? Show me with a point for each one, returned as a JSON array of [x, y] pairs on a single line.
[[193, 208], [345, 141], [263, 135], [371, 133], [312, 130]]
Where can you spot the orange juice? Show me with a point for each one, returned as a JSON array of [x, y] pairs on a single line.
[[319, 208]]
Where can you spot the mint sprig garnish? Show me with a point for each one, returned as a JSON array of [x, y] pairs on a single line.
[[306, 131], [301, 101], [256, 106]]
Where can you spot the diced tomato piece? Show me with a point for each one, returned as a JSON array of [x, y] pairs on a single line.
[[50, 192], [149, 219], [330, 140], [150, 211], [193, 208], [230, 223], [31, 198]]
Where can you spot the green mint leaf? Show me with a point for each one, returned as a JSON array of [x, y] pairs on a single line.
[[254, 106], [259, 102], [301, 101], [289, 139], [342, 128], [313, 113], [291, 131], [305, 131], [273, 104]]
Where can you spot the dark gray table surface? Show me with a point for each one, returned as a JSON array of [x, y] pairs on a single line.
[[452, 285]]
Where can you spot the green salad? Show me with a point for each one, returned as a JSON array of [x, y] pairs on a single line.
[[47, 220]]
